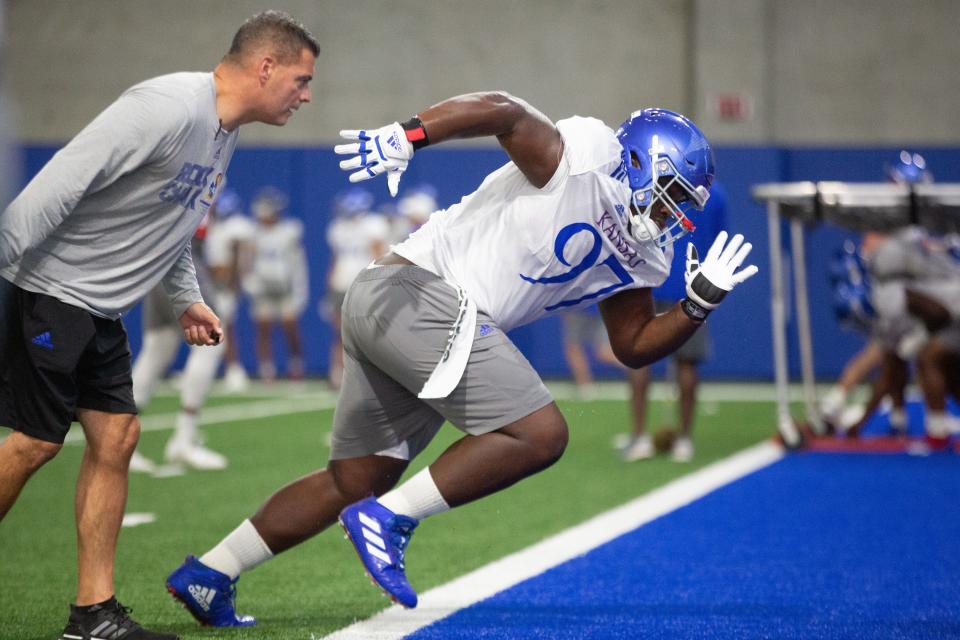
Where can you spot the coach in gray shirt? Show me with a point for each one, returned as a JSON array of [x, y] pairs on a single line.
[[109, 217]]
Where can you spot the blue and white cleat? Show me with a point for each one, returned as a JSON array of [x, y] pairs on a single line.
[[207, 594], [380, 538]]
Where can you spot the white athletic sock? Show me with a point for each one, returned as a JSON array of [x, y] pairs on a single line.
[[833, 403], [242, 550], [898, 418], [186, 428], [938, 424], [417, 498], [198, 374], [159, 348]]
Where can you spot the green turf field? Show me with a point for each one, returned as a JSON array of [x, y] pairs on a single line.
[[320, 586]]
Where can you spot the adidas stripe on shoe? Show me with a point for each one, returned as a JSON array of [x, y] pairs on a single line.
[[380, 538], [109, 620], [209, 596]]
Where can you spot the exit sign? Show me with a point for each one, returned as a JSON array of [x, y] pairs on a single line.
[[730, 107]]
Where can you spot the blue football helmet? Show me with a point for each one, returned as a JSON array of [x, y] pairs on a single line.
[[228, 203], [669, 163], [847, 266], [269, 203], [852, 306], [353, 201], [418, 202], [910, 168]]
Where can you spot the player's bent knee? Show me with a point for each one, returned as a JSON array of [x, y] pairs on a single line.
[[127, 437], [33, 452], [358, 478], [556, 442], [544, 432]]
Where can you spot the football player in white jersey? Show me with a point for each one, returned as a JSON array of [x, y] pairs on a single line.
[[278, 281], [228, 252], [413, 210], [356, 236], [579, 214]]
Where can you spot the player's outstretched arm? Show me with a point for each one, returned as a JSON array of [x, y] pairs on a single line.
[[638, 337], [528, 136]]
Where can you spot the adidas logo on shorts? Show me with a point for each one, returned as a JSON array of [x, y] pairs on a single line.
[[43, 340], [203, 595]]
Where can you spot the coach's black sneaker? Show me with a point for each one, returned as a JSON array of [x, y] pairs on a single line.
[[108, 620]]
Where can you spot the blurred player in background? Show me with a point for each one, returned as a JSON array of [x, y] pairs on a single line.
[[914, 281], [916, 291], [413, 210], [868, 296], [161, 344], [854, 309], [583, 333], [685, 360], [580, 214], [228, 252], [278, 283], [109, 217], [356, 237]]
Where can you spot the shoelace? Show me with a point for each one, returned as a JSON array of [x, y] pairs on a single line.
[[400, 532], [233, 593], [122, 617]]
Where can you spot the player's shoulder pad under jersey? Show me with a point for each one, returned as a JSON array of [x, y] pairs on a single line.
[[589, 145]]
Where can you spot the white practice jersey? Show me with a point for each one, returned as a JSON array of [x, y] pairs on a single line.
[[353, 241], [279, 263], [223, 235], [521, 252]]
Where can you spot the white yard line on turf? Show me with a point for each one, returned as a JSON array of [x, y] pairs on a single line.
[[397, 622], [708, 392], [231, 413]]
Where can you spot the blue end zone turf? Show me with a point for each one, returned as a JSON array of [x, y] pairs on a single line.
[[815, 546]]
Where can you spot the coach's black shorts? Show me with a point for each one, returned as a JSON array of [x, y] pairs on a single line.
[[55, 358]]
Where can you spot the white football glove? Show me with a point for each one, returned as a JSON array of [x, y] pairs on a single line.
[[383, 150], [709, 281]]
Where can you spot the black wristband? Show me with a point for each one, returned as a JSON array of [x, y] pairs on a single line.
[[416, 134], [693, 310]]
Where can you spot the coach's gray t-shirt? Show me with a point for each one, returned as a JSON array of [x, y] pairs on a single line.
[[113, 212]]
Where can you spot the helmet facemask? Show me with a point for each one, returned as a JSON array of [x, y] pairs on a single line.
[[658, 212]]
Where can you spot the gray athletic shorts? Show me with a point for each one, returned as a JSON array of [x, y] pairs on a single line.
[[396, 321], [697, 348]]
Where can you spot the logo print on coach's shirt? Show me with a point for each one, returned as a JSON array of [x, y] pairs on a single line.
[[211, 194], [43, 340], [188, 184]]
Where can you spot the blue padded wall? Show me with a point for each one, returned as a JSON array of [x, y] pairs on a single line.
[[742, 343]]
